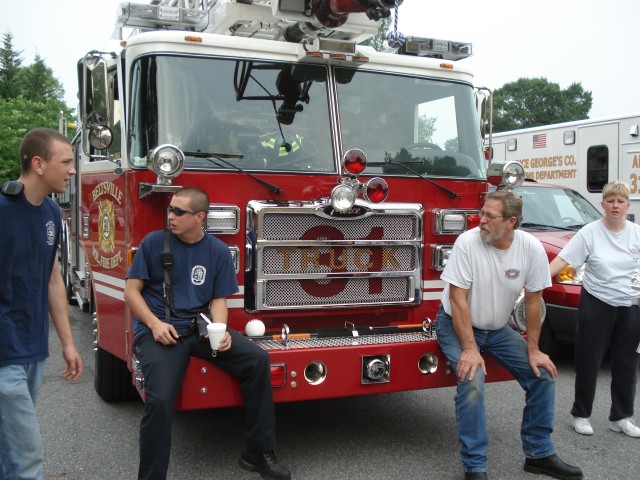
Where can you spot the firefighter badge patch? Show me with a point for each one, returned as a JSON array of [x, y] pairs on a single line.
[[51, 232], [198, 274]]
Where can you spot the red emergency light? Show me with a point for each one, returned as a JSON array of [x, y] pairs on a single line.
[[376, 190], [354, 161]]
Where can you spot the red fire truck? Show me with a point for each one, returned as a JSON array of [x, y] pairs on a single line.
[[339, 178]]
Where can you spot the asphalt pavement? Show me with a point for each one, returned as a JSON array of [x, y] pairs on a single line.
[[409, 435]]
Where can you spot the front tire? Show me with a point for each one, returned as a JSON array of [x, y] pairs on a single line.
[[112, 379], [65, 267]]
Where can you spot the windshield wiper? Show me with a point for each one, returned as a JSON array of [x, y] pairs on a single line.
[[549, 227], [451, 193], [220, 157]]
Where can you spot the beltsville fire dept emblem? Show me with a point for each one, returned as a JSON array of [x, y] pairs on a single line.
[[106, 227]]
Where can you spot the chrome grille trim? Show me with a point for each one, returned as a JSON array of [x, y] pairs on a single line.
[[304, 255]]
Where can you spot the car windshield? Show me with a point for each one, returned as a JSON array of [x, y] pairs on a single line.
[[555, 208]]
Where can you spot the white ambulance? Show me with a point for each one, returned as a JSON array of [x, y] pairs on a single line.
[[583, 155]]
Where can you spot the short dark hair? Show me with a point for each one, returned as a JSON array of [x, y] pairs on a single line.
[[511, 204], [198, 198], [37, 143]]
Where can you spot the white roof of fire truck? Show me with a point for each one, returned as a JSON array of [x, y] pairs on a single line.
[[324, 27]]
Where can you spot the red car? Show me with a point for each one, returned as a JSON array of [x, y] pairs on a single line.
[[553, 214]]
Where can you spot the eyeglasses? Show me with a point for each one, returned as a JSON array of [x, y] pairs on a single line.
[[178, 212], [490, 217]]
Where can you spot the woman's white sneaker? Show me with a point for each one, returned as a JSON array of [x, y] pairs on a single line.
[[626, 426], [583, 426]]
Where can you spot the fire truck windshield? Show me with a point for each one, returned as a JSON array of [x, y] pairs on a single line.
[[269, 116], [426, 124], [277, 116]]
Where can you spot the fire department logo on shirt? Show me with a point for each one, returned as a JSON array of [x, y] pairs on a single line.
[[198, 274], [51, 233], [512, 273]]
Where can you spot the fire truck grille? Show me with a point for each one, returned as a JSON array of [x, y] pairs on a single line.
[[305, 255], [283, 227], [345, 341], [281, 293], [309, 260]]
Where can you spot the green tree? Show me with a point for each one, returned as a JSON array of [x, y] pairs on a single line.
[[30, 97], [426, 128], [10, 64], [38, 83], [531, 102], [18, 116]]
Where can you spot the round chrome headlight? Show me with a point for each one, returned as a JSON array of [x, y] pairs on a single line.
[[343, 197], [505, 174], [166, 161], [518, 320]]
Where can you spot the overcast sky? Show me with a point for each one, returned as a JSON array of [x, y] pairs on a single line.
[[591, 42]]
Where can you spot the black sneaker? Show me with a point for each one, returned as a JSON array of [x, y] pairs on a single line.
[[266, 464]]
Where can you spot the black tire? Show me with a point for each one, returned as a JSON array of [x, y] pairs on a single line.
[[65, 268], [548, 342], [112, 379], [71, 299]]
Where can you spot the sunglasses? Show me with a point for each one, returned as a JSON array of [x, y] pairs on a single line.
[[178, 212]]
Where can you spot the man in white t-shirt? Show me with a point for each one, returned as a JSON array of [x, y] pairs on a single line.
[[489, 266]]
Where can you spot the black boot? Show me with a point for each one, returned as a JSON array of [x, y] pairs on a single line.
[[266, 464], [552, 466]]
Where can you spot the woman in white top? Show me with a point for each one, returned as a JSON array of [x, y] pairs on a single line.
[[608, 315]]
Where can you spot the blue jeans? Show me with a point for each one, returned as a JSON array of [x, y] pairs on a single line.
[[509, 349], [21, 451]]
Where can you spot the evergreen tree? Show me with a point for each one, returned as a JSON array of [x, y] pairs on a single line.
[[10, 64], [38, 82]]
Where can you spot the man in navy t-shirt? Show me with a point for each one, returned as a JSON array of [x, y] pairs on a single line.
[[31, 288], [202, 276]]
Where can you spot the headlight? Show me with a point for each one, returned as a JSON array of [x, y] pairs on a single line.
[[440, 256], [518, 320], [343, 197], [167, 162], [222, 219], [571, 276], [505, 174]]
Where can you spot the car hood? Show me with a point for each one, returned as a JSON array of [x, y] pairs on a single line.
[[557, 239]]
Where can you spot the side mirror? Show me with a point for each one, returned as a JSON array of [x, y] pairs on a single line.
[[100, 137], [95, 99]]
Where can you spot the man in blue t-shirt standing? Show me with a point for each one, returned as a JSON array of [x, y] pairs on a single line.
[[165, 335], [31, 289]]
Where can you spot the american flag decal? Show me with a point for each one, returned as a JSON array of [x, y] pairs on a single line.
[[540, 140]]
